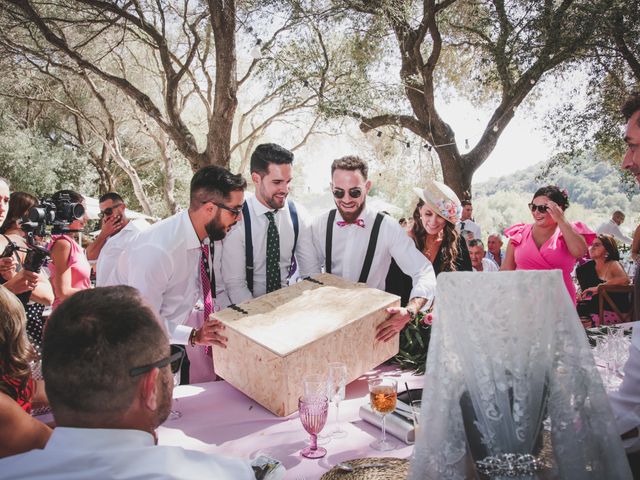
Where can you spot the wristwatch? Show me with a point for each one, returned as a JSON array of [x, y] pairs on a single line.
[[192, 337], [412, 313]]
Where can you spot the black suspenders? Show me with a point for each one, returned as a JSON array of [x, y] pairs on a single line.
[[371, 248]]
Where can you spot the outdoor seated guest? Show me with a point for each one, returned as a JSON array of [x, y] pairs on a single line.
[[434, 234], [19, 431], [494, 248], [603, 269], [612, 227], [69, 267], [107, 408], [478, 260], [34, 301], [550, 242]]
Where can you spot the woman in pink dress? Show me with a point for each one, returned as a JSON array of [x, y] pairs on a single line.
[[550, 242], [69, 267]]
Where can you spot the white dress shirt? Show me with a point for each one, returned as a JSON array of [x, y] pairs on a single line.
[[488, 266], [349, 248], [625, 402], [471, 226], [613, 229], [109, 270], [491, 257], [164, 265], [81, 453], [234, 258]]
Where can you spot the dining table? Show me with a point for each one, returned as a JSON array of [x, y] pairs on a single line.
[[218, 418]]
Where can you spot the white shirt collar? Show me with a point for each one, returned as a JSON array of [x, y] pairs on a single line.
[[66, 438], [259, 208]]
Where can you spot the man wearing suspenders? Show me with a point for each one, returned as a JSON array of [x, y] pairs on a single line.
[[358, 243], [262, 251]]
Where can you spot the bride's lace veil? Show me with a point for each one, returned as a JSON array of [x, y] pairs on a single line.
[[511, 383]]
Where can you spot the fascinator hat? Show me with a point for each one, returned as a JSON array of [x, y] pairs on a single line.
[[441, 199]]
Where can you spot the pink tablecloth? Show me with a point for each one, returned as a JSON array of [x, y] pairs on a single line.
[[218, 418]]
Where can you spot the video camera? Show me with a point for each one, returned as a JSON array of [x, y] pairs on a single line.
[[35, 258], [58, 213]]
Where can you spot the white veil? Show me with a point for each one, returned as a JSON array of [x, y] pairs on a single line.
[[509, 358]]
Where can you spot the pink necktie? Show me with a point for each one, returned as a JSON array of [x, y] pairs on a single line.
[[206, 289], [359, 222]]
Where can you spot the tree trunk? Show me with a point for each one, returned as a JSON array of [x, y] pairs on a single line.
[[223, 21]]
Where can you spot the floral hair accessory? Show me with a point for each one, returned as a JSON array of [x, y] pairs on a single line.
[[441, 199], [565, 193]]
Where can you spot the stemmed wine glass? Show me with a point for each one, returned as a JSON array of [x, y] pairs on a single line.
[[173, 413], [313, 411], [316, 385], [383, 393], [176, 368], [336, 384]]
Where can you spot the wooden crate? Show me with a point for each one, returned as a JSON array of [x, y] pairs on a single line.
[[276, 339]]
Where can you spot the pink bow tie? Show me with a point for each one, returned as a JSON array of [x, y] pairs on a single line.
[[359, 222]]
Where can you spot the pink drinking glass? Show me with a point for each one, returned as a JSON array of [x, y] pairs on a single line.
[[313, 410]]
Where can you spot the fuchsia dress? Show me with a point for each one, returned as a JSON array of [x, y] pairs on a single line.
[[78, 263], [552, 255]]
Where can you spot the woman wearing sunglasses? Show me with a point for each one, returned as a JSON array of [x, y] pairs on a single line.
[[603, 268], [69, 267], [550, 242]]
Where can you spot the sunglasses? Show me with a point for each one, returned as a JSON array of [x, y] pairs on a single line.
[[175, 360], [353, 192], [235, 211], [108, 211], [540, 208]]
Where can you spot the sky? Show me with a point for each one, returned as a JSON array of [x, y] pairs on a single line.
[[520, 145]]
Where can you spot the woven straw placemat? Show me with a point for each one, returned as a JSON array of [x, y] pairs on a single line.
[[392, 468]]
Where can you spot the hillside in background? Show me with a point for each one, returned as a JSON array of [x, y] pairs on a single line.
[[595, 188]]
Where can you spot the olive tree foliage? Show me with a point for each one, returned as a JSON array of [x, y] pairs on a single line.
[[612, 66], [36, 164], [415, 53], [88, 116], [185, 38]]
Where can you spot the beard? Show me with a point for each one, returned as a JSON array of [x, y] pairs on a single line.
[[350, 216], [215, 229], [276, 203]]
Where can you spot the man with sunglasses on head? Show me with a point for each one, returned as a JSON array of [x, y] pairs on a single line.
[[175, 264], [108, 378], [116, 235], [273, 238], [357, 243]]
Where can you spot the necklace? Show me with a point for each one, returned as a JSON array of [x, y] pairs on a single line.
[[432, 245]]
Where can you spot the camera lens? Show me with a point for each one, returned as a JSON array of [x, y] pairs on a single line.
[[77, 211]]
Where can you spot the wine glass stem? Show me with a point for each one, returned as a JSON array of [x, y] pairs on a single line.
[[384, 430], [314, 442], [338, 415]]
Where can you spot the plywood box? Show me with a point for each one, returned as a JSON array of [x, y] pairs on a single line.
[[276, 339]]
